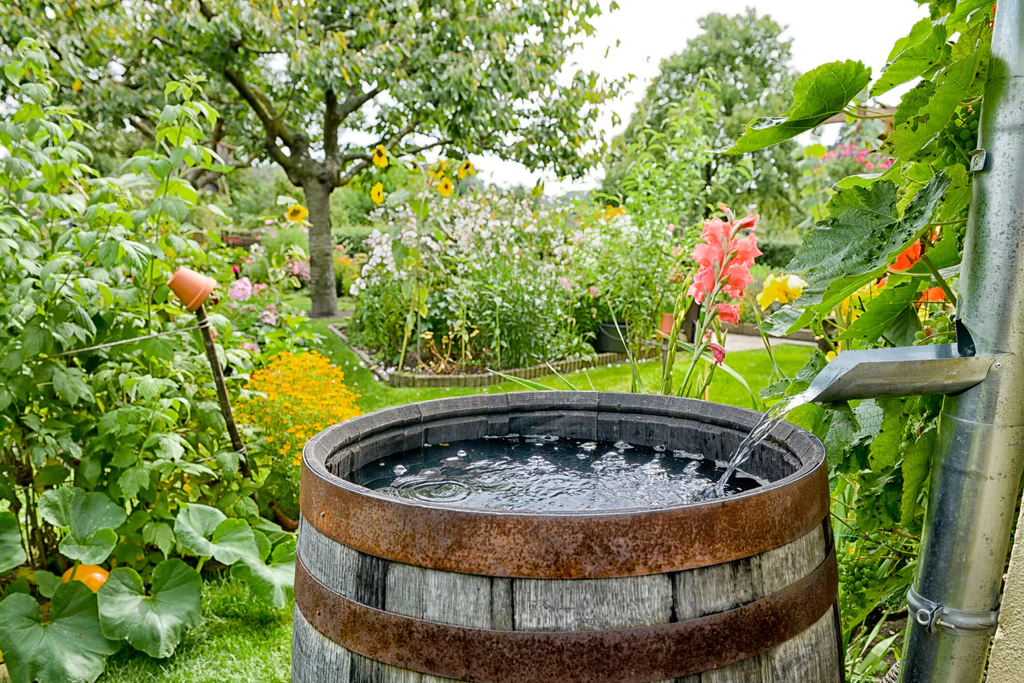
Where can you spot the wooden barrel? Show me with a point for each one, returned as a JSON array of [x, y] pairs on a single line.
[[390, 590]]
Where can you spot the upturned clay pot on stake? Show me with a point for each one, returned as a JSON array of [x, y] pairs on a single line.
[[193, 289]]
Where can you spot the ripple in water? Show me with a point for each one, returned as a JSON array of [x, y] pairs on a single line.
[[546, 473]]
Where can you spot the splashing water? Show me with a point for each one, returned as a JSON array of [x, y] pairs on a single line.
[[547, 473], [769, 420]]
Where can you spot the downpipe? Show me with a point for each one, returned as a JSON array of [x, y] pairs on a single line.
[[979, 459]]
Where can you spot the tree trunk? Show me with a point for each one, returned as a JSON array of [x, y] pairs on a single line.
[[322, 286]]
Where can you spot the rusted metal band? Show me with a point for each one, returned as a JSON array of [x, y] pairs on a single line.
[[568, 545], [632, 655]]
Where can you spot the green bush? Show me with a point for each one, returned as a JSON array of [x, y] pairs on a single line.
[[777, 254]]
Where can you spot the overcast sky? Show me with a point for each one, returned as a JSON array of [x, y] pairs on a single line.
[[650, 30]]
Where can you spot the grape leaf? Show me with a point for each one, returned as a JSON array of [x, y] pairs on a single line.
[[818, 95], [952, 86], [916, 465], [919, 54], [863, 233], [68, 647], [156, 622], [886, 444], [11, 552], [882, 311]]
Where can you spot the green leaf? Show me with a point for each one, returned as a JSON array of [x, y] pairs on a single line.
[[133, 480], [48, 582], [916, 465], [840, 436], [272, 582], [92, 512], [913, 101], [817, 96], [882, 311], [785, 321], [205, 532], [916, 57], [886, 444], [11, 552], [92, 548], [70, 386], [952, 86], [863, 233], [153, 623], [193, 526], [159, 534], [69, 647], [55, 505]]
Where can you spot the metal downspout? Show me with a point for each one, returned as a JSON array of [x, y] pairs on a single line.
[[977, 469]]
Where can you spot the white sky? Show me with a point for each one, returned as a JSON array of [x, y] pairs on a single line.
[[650, 30]]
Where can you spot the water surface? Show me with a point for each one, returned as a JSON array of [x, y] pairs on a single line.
[[548, 473]]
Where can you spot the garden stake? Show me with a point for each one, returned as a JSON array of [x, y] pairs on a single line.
[[193, 289], [222, 390]]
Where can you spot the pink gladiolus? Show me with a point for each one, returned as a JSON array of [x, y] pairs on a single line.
[[728, 313], [723, 258], [717, 352]]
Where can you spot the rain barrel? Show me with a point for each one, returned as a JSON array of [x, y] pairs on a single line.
[[737, 589]]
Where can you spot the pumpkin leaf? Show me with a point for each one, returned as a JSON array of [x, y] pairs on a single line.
[[153, 623], [206, 532], [11, 552], [70, 647], [272, 582]]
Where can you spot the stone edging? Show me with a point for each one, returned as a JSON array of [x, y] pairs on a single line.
[[419, 380]]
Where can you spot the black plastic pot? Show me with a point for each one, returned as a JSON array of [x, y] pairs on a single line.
[[608, 339]]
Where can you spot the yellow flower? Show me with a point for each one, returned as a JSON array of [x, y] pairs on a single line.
[[380, 157], [276, 13], [781, 288], [445, 187], [377, 191], [831, 356], [465, 169], [77, 85], [296, 213]]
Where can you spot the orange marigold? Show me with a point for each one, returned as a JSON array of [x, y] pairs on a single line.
[[291, 394]]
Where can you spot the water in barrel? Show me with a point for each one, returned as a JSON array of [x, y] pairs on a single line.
[[548, 473]]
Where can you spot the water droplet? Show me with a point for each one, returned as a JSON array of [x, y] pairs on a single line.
[[623, 446], [461, 453], [399, 469]]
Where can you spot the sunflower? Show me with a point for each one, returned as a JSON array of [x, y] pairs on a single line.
[[465, 169], [380, 157], [296, 213], [377, 192], [445, 187]]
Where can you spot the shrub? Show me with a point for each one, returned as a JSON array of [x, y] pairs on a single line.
[[778, 254]]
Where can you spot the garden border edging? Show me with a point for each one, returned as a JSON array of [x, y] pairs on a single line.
[[420, 380]]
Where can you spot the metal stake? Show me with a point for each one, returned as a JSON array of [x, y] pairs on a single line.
[[978, 463], [222, 390]]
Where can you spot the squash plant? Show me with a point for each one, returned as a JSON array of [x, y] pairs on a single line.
[[882, 268], [112, 449]]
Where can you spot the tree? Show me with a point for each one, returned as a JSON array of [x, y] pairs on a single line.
[[743, 63], [317, 87]]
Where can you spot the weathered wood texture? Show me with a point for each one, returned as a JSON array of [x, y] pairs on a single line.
[[560, 605]]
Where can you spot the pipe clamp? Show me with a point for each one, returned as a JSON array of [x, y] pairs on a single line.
[[934, 617]]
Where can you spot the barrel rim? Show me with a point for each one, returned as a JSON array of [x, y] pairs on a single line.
[[532, 544]]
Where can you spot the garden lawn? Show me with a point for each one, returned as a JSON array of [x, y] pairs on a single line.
[[241, 639]]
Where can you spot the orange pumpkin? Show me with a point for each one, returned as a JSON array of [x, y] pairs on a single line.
[[91, 575]]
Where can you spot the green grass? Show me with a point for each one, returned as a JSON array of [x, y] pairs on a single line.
[[754, 366], [243, 640]]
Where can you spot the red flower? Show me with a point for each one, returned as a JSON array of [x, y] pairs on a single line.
[[909, 257], [717, 352], [728, 313], [724, 259], [933, 294]]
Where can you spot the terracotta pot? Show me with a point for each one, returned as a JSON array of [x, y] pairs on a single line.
[[667, 321], [191, 287]]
